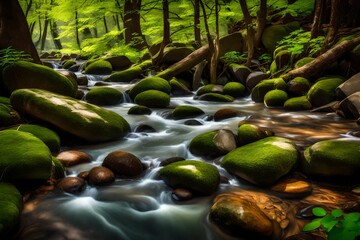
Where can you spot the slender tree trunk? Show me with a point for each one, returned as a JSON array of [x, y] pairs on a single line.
[[28, 8], [132, 24], [166, 33], [40, 34], [317, 22], [335, 18], [32, 27], [260, 22], [105, 25], [215, 55], [44, 35], [249, 30], [197, 34], [14, 30], [77, 29], [55, 34]]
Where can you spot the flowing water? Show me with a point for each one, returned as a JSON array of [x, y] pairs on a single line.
[[143, 208]]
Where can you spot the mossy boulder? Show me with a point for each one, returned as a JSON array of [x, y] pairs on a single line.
[[239, 72], [118, 62], [139, 110], [216, 97], [5, 100], [23, 74], [210, 88], [68, 63], [298, 86], [323, 91], [49, 137], [126, 75], [11, 204], [153, 99], [297, 104], [283, 59], [334, 158], [234, 89], [87, 121], [58, 169], [24, 156], [259, 91], [104, 96], [151, 83], [275, 98], [213, 143], [350, 86], [262, 162], [181, 112], [175, 54], [303, 61], [193, 175], [100, 67], [179, 88], [248, 133], [8, 116]]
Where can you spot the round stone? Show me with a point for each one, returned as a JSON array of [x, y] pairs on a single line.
[[293, 187], [101, 176], [73, 157], [123, 164], [71, 184], [181, 194]]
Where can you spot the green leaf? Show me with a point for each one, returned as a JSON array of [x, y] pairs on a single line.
[[319, 211], [337, 212], [354, 216], [329, 222], [314, 224]]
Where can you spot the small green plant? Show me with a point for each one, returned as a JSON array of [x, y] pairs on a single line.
[[10, 55], [234, 57], [265, 58], [336, 224]]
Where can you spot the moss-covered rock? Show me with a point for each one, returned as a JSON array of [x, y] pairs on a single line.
[[301, 62], [239, 72], [212, 144], [87, 121], [193, 175], [216, 97], [58, 169], [332, 158], [68, 63], [175, 54], [297, 104], [275, 98], [210, 88], [283, 59], [30, 75], [323, 91], [181, 112], [179, 88], [24, 156], [298, 86], [49, 137], [151, 83], [8, 116], [153, 99], [234, 89], [100, 67], [9, 193], [104, 96], [248, 133], [262, 162], [259, 91], [118, 62], [139, 110], [126, 75], [9, 218], [5, 100]]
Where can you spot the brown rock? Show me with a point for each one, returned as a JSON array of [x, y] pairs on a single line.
[[181, 194], [193, 122], [225, 140], [224, 114], [254, 78], [123, 164], [171, 160], [82, 80], [84, 175], [71, 184], [73, 157], [293, 187], [144, 128], [100, 176]]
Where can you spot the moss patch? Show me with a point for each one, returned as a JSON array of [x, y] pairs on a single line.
[[297, 104], [234, 89], [104, 96], [151, 83], [139, 110], [8, 116], [100, 67], [125, 75], [259, 91], [248, 133], [153, 99], [303, 61], [323, 91], [275, 98], [216, 97], [181, 112]]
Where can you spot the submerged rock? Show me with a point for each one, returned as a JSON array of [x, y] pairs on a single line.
[[87, 121], [194, 175], [262, 162], [225, 113]]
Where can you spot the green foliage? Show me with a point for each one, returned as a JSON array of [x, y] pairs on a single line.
[[299, 42], [298, 8], [234, 57], [265, 58], [336, 224], [10, 55]]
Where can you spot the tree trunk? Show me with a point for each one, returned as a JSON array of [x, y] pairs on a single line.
[[215, 55], [132, 25], [197, 34], [325, 60], [166, 33], [260, 22], [55, 34], [318, 16], [77, 29], [335, 18], [28, 7], [44, 35], [14, 30], [105, 25], [40, 31], [249, 31]]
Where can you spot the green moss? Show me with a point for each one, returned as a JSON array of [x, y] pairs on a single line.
[[153, 99], [151, 83], [209, 88], [262, 162], [178, 86], [234, 89], [68, 64], [248, 133], [283, 59], [9, 218], [24, 156], [275, 98], [193, 175], [332, 158], [297, 104], [323, 91], [58, 170], [301, 62], [87, 121], [125, 75], [216, 97], [100, 67], [259, 91], [273, 67], [241, 72], [104, 96], [298, 86], [9, 193], [8, 116], [181, 112], [5, 100], [30, 75], [205, 145], [139, 110], [145, 64]]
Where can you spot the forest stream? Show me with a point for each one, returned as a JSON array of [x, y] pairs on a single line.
[[143, 208]]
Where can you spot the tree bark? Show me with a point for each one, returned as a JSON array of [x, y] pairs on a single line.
[[260, 22], [324, 60], [77, 29], [317, 22], [105, 25], [14, 30], [28, 7], [55, 34], [132, 24], [197, 34], [335, 18], [249, 30], [166, 33], [215, 54], [44, 35]]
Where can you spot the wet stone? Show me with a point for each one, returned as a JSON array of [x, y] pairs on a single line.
[[143, 128], [71, 184], [181, 194], [171, 160], [225, 113], [293, 187], [73, 157], [123, 164], [193, 122], [84, 175], [100, 176]]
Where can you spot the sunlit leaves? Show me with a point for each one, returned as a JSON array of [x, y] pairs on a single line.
[[319, 211]]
